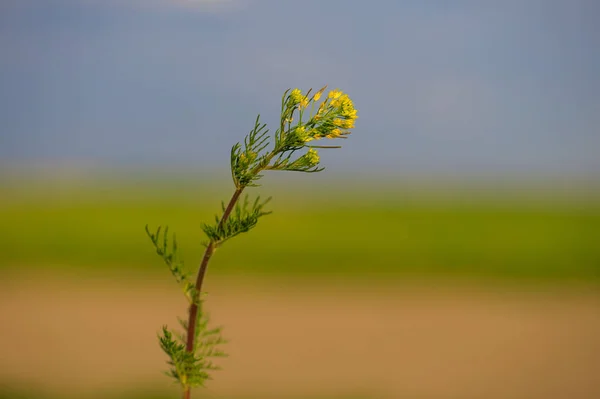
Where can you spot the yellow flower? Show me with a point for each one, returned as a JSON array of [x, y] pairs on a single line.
[[318, 94], [347, 124], [302, 134], [312, 134], [243, 161], [303, 102], [347, 109], [346, 103], [312, 156], [296, 96], [338, 122], [350, 113], [334, 134], [334, 94]]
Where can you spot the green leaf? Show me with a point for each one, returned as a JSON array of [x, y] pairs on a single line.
[[246, 162], [242, 219], [170, 255]]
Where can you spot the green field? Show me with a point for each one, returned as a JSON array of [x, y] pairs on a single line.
[[198, 395], [313, 231], [140, 394]]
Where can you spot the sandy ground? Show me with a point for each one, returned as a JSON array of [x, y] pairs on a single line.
[[411, 340]]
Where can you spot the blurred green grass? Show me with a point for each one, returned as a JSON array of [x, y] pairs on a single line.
[[313, 231], [141, 394]]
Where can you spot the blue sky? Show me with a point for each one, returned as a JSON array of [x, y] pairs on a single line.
[[442, 87]]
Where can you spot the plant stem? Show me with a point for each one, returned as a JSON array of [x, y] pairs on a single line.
[[210, 250]]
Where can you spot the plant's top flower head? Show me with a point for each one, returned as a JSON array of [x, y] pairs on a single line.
[[305, 118], [333, 118]]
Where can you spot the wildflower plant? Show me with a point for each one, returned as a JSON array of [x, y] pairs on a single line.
[[303, 122]]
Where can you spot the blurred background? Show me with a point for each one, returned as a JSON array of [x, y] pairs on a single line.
[[449, 250]]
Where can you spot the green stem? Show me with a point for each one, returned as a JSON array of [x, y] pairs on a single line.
[[210, 249]]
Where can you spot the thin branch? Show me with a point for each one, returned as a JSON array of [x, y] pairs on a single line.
[[210, 249]]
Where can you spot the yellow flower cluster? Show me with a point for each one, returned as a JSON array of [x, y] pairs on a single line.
[[335, 94], [302, 134], [333, 119], [344, 123], [336, 115], [298, 99], [312, 156]]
